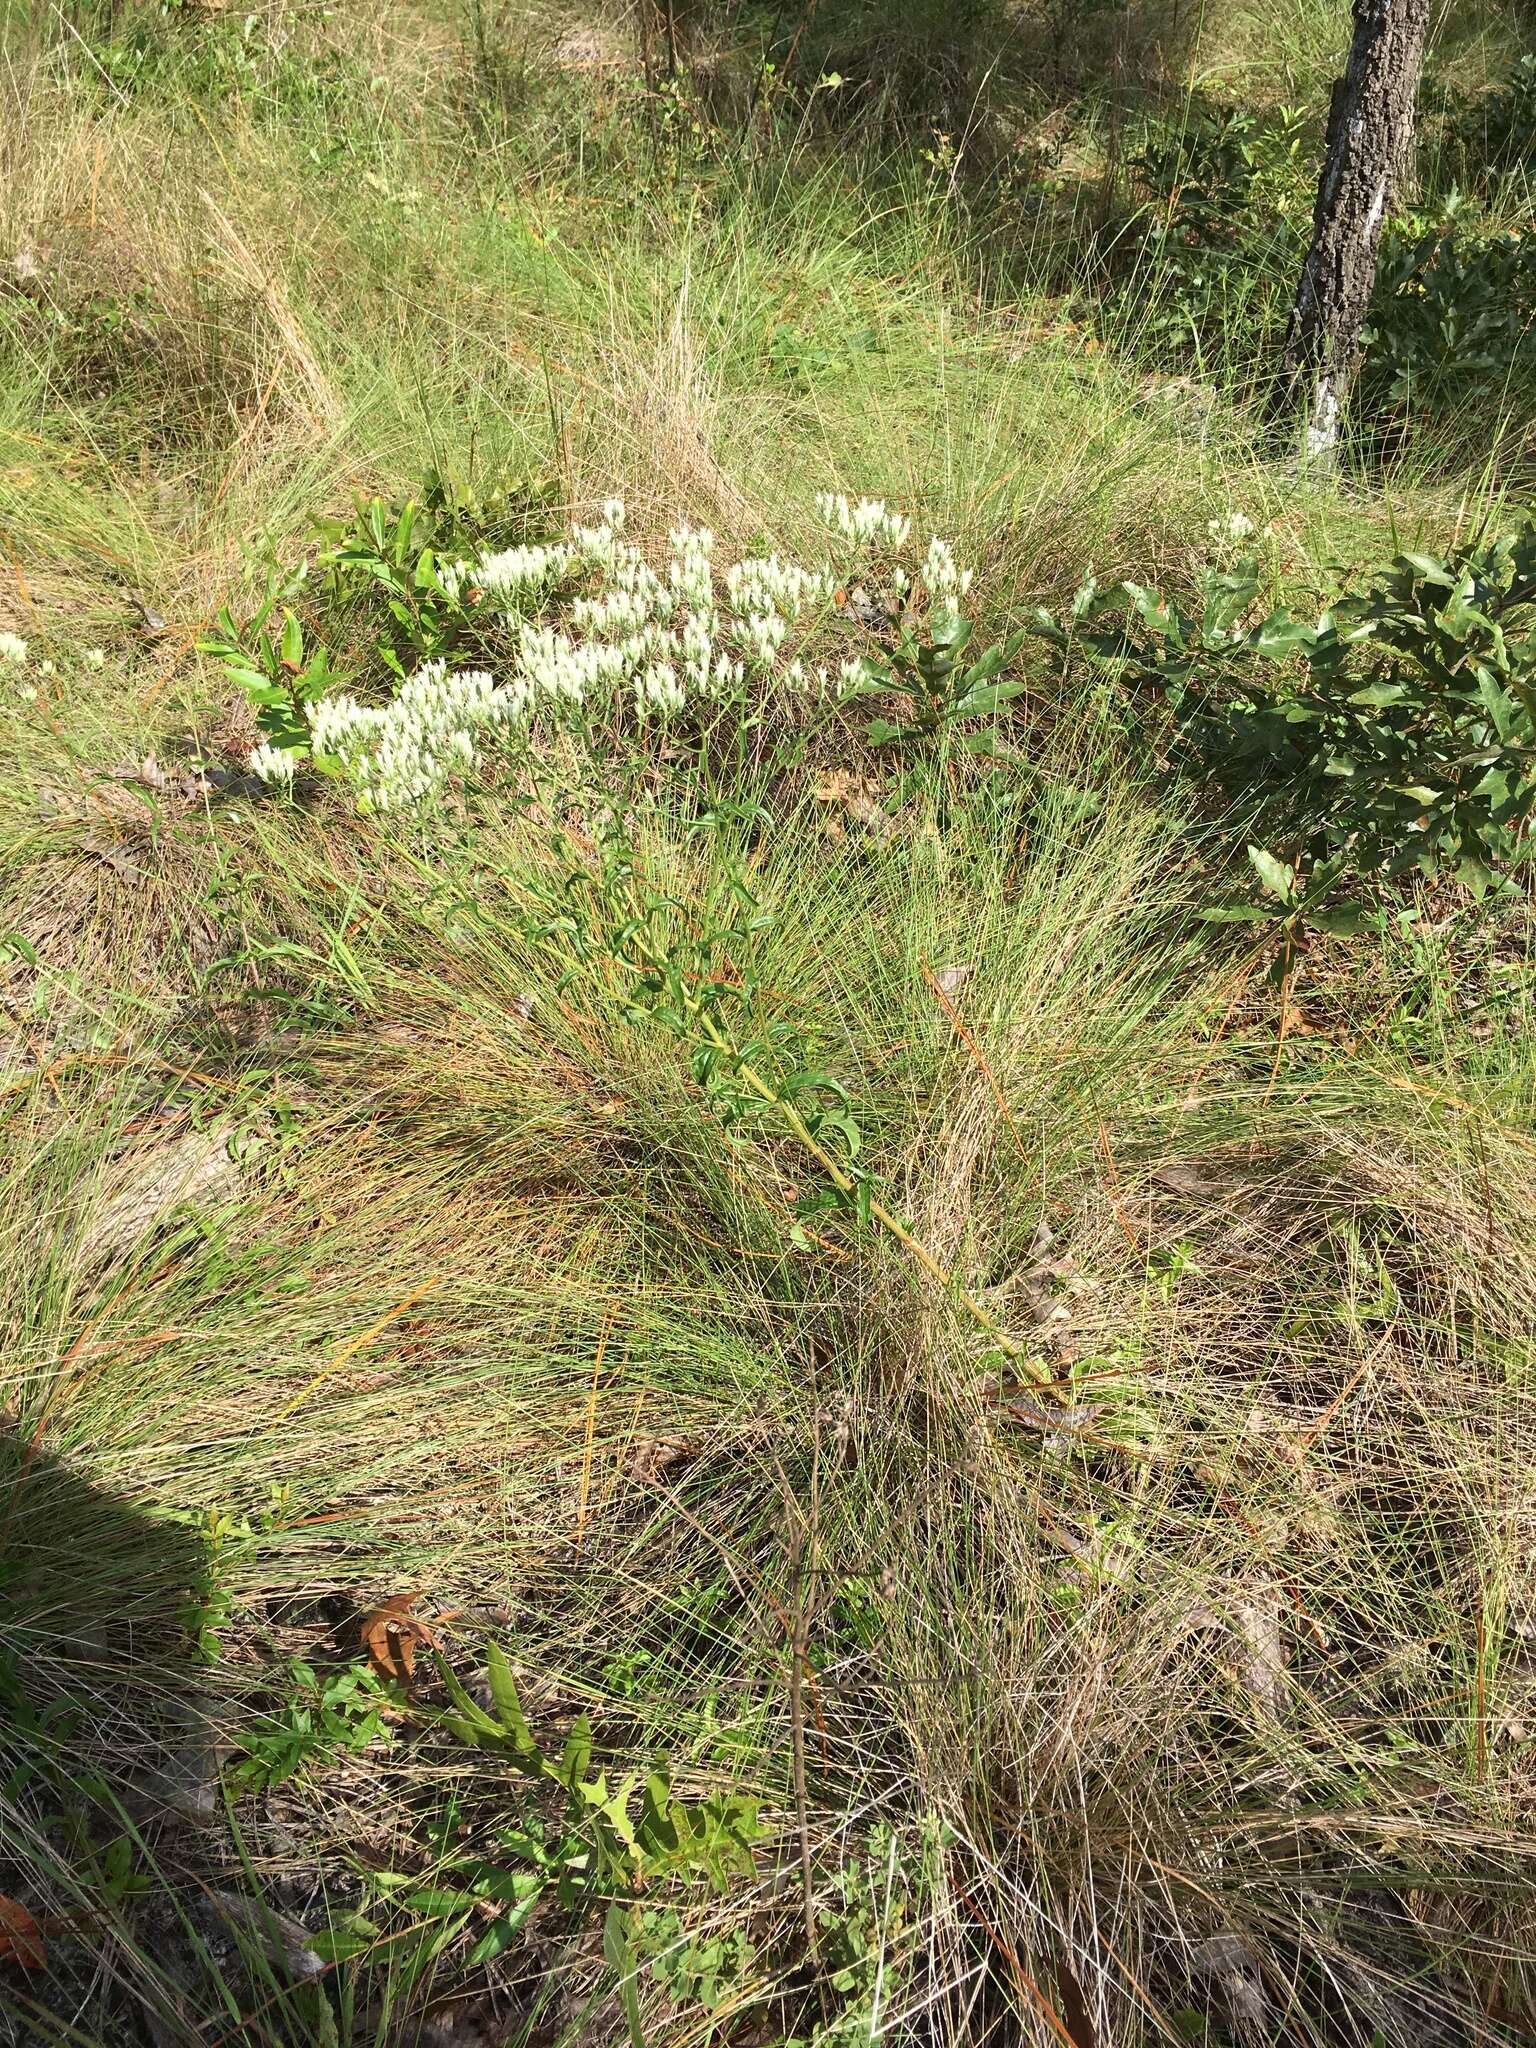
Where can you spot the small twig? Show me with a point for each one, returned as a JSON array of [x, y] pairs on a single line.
[[952, 1010], [1285, 1015]]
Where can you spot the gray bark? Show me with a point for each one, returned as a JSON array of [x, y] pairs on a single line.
[[1367, 155]]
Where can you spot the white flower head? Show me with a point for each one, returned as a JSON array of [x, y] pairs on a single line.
[[13, 650], [657, 689], [518, 578], [944, 580], [402, 754], [868, 523], [1232, 526], [272, 765]]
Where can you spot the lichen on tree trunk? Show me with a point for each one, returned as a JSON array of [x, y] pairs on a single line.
[[1367, 154]]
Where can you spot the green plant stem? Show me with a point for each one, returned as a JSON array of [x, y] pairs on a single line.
[[844, 1181]]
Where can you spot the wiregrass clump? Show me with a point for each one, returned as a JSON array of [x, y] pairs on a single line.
[[1092, 1713]]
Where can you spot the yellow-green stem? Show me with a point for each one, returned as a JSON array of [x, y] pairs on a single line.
[[844, 1181]]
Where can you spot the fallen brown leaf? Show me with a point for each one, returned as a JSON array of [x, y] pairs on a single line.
[[391, 1635], [21, 1940], [653, 1457]]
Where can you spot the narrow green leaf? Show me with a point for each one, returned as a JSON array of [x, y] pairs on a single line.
[[504, 1697]]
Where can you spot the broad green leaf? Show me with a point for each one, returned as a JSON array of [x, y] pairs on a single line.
[[980, 702], [436, 1902], [501, 1933], [577, 1755], [659, 1816], [1344, 920], [1376, 696], [950, 631], [1276, 876], [1430, 568], [351, 1936], [1281, 636]]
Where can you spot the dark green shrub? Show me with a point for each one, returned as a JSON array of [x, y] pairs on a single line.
[[1206, 262], [1451, 326], [1395, 733], [180, 50], [1208, 265], [1493, 136]]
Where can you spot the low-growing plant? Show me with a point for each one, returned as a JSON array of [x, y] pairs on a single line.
[[227, 1537], [1294, 905], [282, 672], [375, 584], [1451, 322], [704, 1968], [614, 1840], [807, 361], [175, 51], [610, 1843], [1208, 266], [1396, 733], [316, 1716], [607, 920], [865, 1929], [34, 1732], [385, 552], [586, 634], [1216, 243], [943, 690], [1492, 136]]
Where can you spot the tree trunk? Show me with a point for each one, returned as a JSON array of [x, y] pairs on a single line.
[[1368, 152]]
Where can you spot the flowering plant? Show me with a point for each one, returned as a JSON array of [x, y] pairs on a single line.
[[594, 634]]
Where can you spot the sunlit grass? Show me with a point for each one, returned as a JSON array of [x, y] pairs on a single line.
[[341, 1216]]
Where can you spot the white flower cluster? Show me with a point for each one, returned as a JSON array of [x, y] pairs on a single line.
[[272, 765], [402, 753], [1235, 527], [594, 625], [868, 523], [661, 638], [688, 632], [515, 580], [765, 585], [15, 653], [945, 582]]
